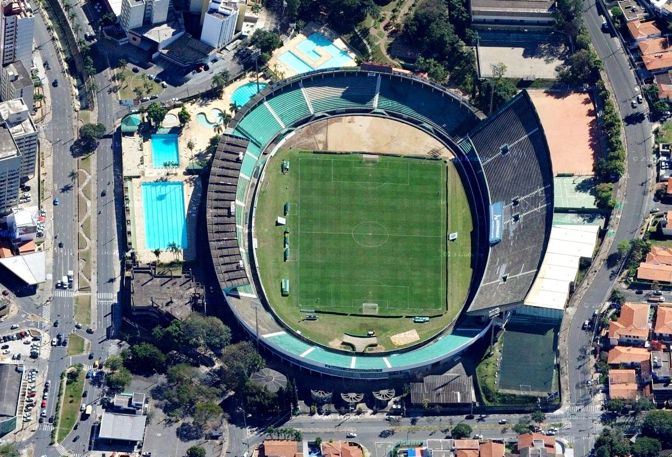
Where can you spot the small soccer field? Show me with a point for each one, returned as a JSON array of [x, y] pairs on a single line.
[[370, 234], [362, 241]]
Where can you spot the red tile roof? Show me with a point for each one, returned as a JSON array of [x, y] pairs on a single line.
[[633, 321], [492, 449], [627, 354], [639, 29], [623, 384], [536, 440], [663, 320], [280, 448]]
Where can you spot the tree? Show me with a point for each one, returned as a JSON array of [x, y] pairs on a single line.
[[92, 131], [180, 373], [266, 41], [145, 358], [184, 116], [658, 424], [461, 431], [617, 405], [604, 196], [239, 361], [259, 400], [206, 412], [224, 118], [118, 380], [538, 416], [114, 363], [617, 297], [623, 248], [582, 68], [9, 450], [219, 81], [434, 69], [156, 113], [646, 447], [195, 451]]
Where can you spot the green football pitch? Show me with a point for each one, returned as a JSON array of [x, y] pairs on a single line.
[[366, 239], [370, 234]]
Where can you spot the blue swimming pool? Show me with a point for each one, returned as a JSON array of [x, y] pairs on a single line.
[[164, 150], [165, 218], [244, 93], [210, 120], [314, 47]]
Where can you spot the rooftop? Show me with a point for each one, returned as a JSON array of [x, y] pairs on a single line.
[[341, 449], [658, 61], [623, 384], [663, 320], [17, 116], [657, 266], [660, 365], [10, 383], [122, 427], [632, 10], [186, 51], [639, 30], [633, 321], [451, 388], [167, 294], [627, 355], [654, 46], [537, 440], [7, 145], [492, 449], [280, 448], [535, 6]]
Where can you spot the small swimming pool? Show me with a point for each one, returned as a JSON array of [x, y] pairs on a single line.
[[165, 218], [164, 150], [170, 121], [315, 46], [244, 93], [211, 120]]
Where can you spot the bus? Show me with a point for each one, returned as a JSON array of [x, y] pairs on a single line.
[[88, 410]]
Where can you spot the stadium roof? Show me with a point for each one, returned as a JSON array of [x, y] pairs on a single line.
[[566, 246], [10, 383], [122, 427]]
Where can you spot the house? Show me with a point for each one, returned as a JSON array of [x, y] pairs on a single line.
[[466, 448], [660, 366], [492, 449], [341, 449], [664, 83], [657, 265], [658, 63], [663, 328], [536, 445], [280, 448], [623, 384], [628, 356], [640, 31], [632, 326], [654, 46]]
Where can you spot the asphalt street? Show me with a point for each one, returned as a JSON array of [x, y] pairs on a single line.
[[639, 139]]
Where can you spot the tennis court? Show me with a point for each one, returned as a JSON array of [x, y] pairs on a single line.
[[528, 358]]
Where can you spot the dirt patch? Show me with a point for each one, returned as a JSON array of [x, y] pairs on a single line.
[[402, 339]]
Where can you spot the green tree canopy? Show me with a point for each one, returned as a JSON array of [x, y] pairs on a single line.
[[206, 412], [118, 380], [658, 424], [92, 131], [183, 116], [156, 113], [195, 451], [461, 431], [266, 41], [114, 362], [646, 447], [145, 358], [239, 361]]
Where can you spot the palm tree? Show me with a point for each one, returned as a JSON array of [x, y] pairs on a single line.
[[233, 107], [224, 118], [121, 63], [157, 253], [174, 249], [218, 129]]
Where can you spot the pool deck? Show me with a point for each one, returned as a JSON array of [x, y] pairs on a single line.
[[285, 71], [137, 169]]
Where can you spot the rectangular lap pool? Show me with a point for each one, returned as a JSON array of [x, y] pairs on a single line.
[[164, 150], [314, 47], [165, 218]]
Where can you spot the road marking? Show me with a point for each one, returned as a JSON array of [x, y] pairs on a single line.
[[106, 296]]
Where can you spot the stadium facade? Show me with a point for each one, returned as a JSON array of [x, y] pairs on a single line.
[[504, 163]]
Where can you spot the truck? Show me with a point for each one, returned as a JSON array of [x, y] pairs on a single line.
[[64, 282], [88, 410]]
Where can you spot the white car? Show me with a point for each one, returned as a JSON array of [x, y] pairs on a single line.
[[54, 342], [351, 435]]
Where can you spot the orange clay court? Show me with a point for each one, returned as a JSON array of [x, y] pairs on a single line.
[[571, 130]]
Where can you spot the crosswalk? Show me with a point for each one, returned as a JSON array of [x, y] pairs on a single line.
[[106, 296], [46, 427], [64, 293], [585, 409]]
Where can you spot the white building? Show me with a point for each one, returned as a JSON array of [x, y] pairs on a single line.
[[15, 82], [10, 171], [138, 13], [16, 32], [17, 119], [22, 224], [219, 24]]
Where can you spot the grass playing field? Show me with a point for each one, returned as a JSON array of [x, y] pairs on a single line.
[[366, 238]]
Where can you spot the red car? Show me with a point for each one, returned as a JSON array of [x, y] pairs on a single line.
[[44, 403], [31, 394]]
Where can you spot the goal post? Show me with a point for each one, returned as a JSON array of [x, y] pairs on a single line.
[[370, 158], [370, 308]]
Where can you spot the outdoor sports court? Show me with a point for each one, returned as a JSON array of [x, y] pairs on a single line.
[[370, 234]]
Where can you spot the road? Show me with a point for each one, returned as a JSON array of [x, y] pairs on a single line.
[[60, 133], [639, 139]]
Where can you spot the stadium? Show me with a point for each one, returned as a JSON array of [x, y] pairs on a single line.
[[368, 224]]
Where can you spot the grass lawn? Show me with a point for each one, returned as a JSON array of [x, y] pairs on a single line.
[[136, 80], [364, 232], [76, 344], [665, 132], [83, 309], [72, 399]]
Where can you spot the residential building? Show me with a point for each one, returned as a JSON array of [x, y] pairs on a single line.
[[623, 384], [466, 448], [122, 426], [15, 82], [663, 327], [492, 449], [341, 449], [664, 83], [16, 32], [640, 31], [632, 10], [522, 15], [628, 356], [657, 265], [280, 448], [138, 13], [631, 327], [654, 46], [658, 62], [536, 445], [10, 171], [219, 23], [660, 366], [16, 116]]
